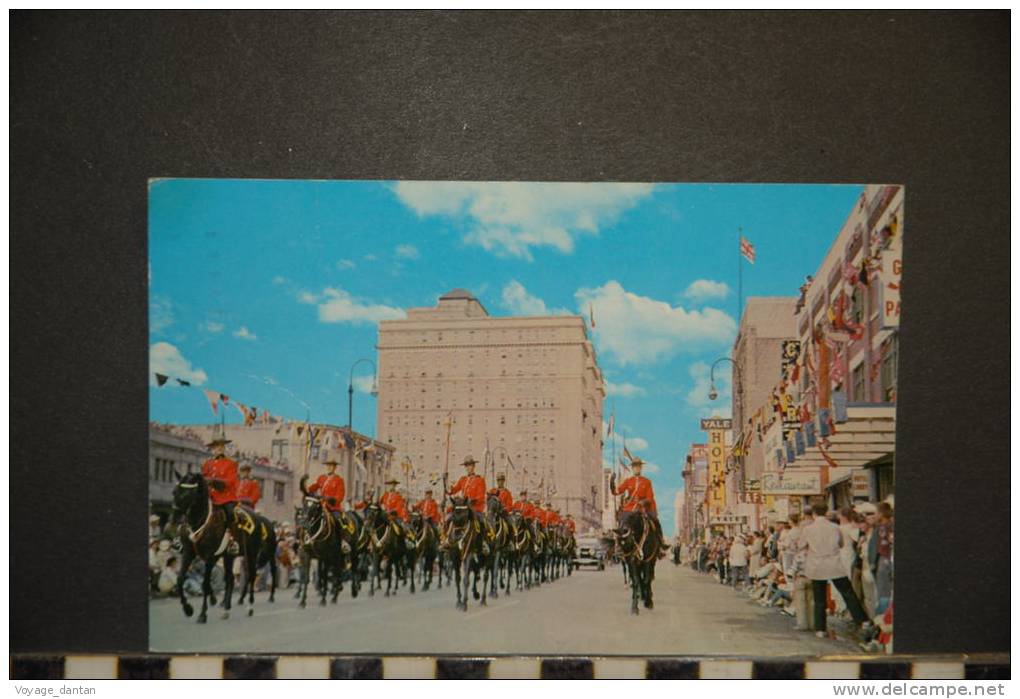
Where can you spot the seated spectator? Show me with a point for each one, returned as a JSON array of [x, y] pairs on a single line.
[[168, 576]]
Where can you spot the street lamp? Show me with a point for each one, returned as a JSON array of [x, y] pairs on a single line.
[[712, 393], [350, 413]]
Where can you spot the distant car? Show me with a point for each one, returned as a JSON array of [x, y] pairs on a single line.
[[590, 552]]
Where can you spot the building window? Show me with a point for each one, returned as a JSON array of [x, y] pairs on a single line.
[[857, 393], [889, 370], [278, 491], [857, 307]]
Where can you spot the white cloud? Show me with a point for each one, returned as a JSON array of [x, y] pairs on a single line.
[[166, 359], [345, 264], [705, 289], [623, 389], [338, 306], [649, 468], [637, 329], [407, 252], [278, 280], [211, 326], [363, 384], [518, 301], [697, 397], [510, 218], [370, 257], [636, 444], [161, 315], [245, 334]]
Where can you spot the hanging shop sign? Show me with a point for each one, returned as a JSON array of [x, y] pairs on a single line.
[[792, 481], [860, 483]]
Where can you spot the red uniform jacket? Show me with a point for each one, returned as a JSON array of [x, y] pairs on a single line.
[[638, 488], [392, 501], [571, 525], [248, 492], [330, 487], [429, 509], [473, 488], [505, 499], [541, 516], [553, 520], [222, 469], [526, 509]]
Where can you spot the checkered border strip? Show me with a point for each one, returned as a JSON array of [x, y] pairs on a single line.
[[49, 667]]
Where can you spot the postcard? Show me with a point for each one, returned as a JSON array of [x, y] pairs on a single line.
[[522, 418]]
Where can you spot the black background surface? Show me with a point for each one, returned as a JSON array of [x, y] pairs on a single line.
[[101, 102]]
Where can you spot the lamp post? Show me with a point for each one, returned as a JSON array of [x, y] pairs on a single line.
[[350, 411], [712, 393]]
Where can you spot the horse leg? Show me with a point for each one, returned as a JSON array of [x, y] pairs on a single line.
[[486, 578], [635, 588], [457, 576], [354, 574], [187, 556], [228, 582], [273, 573], [206, 589]]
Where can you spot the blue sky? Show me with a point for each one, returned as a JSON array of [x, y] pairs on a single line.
[[269, 291]]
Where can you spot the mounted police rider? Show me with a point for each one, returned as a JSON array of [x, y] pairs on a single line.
[[640, 497]]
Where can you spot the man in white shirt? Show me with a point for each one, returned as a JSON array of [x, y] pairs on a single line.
[[788, 543], [823, 541], [738, 560]]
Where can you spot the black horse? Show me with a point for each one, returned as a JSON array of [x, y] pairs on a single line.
[[203, 535], [387, 548], [498, 533], [638, 544], [321, 539], [465, 549], [426, 548], [355, 546], [521, 550]]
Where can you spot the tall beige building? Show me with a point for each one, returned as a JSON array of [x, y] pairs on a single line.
[[527, 391], [767, 322]]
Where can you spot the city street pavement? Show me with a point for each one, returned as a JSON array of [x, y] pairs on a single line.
[[587, 613]]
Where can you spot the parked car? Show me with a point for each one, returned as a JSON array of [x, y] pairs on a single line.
[[591, 551]]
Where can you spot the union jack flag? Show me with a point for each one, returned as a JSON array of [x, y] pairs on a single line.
[[746, 249]]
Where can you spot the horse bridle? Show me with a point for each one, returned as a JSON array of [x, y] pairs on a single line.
[[467, 528], [325, 522], [639, 548]]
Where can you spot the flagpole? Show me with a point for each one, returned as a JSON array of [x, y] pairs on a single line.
[[740, 277]]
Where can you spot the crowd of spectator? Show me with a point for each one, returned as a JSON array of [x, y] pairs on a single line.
[[165, 561], [815, 565]]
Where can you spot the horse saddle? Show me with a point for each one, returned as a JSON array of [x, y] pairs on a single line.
[[346, 522], [244, 520]]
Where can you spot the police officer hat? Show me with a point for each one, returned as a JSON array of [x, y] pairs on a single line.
[[428, 491], [500, 476], [391, 480], [217, 441], [468, 460], [244, 467], [331, 462]]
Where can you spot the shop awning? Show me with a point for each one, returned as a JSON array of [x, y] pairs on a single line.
[[869, 433]]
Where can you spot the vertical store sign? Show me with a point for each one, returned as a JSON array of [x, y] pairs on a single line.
[[716, 428], [892, 272]]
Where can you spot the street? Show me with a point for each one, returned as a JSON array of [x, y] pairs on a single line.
[[584, 614]]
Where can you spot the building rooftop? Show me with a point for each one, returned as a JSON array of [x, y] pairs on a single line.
[[458, 294]]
